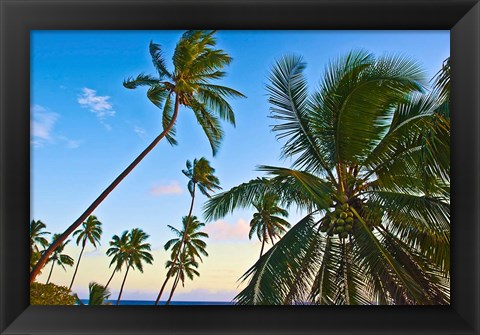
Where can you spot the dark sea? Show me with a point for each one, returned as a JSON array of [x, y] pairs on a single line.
[[152, 302]]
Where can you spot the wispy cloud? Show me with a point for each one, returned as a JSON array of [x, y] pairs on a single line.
[[42, 129], [42, 123], [171, 188], [97, 104], [224, 231], [139, 131]]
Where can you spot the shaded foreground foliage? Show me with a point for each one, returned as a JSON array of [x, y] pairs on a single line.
[[371, 164]]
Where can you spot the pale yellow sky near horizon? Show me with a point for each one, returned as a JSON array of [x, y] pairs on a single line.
[[218, 281]]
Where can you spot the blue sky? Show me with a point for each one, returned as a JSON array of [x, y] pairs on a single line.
[[86, 128]]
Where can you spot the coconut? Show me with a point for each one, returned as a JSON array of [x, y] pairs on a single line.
[[339, 229], [344, 234], [348, 227], [345, 206], [349, 220], [350, 214], [343, 215], [340, 222]]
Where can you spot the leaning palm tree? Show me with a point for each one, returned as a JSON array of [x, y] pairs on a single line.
[[37, 241], [200, 174], [267, 222], [135, 254], [197, 63], [118, 246], [185, 266], [97, 295], [188, 241], [58, 257], [371, 164], [91, 231]]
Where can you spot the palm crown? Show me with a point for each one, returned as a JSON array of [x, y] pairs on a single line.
[[184, 267], [267, 221], [118, 248], [196, 63], [201, 174], [371, 169], [91, 231], [193, 243]]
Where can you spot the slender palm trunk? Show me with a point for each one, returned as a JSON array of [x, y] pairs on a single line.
[[174, 286], [50, 274], [345, 274], [263, 239], [78, 263], [123, 283], [102, 196], [163, 287], [181, 243], [261, 250], [111, 277]]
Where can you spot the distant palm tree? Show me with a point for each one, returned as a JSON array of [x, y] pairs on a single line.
[[267, 222], [200, 174], [58, 257], [193, 245], [371, 170], [91, 231], [185, 266], [118, 246], [97, 294], [135, 254], [196, 64], [37, 242]]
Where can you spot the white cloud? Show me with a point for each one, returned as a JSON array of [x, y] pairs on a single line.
[[171, 188], [224, 231], [99, 105], [139, 131], [42, 123], [69, 143]]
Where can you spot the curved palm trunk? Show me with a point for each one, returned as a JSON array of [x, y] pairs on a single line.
[[111, 277], [50, 274], [261, 250], [76, 268], [263, 240], [181, 243], [121, 288], [102, 196], [163, 287], [174, 286]]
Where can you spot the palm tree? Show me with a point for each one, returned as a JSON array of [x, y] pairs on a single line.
[[58, 257], [267, 222], [97, 294], [200, 174], [189, 241], [91, 231], [196, 64], [135, 254], [118, 246], [371, 164], [185, 266], [36, 240]]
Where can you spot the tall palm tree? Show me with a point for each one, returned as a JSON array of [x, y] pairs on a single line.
[[267, 221], [371, 164], [200, 174], [97, 295], [91, 231], [37, 241], [185, 266], [118, 246], [187, 241], [58, 257], [197, 63], [135, 254]]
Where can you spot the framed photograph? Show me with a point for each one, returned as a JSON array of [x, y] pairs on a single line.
[[240, 167]]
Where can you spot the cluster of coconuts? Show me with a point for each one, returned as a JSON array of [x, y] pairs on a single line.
[[340, 221]]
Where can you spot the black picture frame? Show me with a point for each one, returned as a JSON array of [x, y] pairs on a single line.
[[18, 17]]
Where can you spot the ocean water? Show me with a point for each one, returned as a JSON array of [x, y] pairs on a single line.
[[152, 302]]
